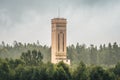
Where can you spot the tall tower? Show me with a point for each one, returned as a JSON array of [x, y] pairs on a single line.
[[58, 50]]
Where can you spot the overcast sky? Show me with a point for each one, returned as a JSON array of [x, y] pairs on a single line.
[[89, 21]]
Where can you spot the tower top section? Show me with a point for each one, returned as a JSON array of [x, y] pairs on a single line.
[[59, 21]]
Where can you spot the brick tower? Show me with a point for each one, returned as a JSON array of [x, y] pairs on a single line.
[[58, 48]]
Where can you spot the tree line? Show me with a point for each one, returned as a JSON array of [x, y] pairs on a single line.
[[108, 55], [103, 55], [33, 68]]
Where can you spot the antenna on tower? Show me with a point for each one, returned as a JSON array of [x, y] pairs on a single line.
[[58, 12]]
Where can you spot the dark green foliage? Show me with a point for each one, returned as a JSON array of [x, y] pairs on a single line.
[[64, 68], [17, 70], [4, 70], [105, 55], [117, 70], [98, 73], [60, 71], [32, 57], [15, 51], [14, 63], [31, 67], [60, 74], [81, 72]]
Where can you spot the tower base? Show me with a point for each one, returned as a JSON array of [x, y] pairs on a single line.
[[66, 61]]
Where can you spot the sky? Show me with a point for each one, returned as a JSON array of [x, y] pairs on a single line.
[[88, 21]]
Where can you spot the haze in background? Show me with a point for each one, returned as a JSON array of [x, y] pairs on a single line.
[[89, 21]]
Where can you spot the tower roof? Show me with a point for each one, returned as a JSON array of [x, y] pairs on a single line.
[[59, 20]]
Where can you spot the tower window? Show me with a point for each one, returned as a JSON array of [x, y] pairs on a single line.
[[58, 42], [61, 42]]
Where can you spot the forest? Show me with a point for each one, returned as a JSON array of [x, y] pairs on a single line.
[[33, 68], [31, 61], [103, 55]]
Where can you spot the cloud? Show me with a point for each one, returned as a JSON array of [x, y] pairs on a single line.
[[89, 21]]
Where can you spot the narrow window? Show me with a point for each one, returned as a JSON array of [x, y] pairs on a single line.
[[63, 42], [58, 42]]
